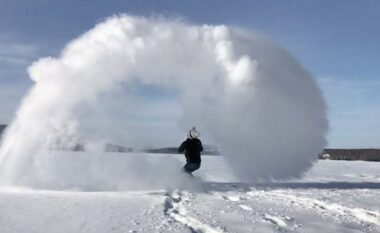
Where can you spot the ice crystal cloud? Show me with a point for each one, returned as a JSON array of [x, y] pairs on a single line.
[[263, 109]]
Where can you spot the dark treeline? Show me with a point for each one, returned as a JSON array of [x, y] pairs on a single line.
[[333, 154], [2, 128], [207, 150], [352, 154]]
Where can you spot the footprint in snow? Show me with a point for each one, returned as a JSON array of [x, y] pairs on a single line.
[[275, 220], [232, 198], [284, 222], [244, 207]]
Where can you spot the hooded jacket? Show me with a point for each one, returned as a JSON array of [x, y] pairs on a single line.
[[192, 148]]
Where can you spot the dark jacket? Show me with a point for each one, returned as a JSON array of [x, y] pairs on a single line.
[[193, 149]]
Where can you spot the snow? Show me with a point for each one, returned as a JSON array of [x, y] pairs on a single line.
[[334, 196]]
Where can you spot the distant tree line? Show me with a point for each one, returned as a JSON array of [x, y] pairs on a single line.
[[207, 150], [333, 154], [2, 128], [351, 154]]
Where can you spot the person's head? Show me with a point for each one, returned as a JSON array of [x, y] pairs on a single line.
[[193, 133]]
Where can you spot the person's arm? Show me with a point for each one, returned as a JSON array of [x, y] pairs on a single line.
[[201, 146], [182, 147]]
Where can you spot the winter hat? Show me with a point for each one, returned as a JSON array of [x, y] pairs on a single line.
[[193, 133]]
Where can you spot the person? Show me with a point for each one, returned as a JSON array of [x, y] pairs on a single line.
[[192, 147]]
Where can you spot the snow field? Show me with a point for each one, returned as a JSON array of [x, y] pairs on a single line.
[[326, 200]]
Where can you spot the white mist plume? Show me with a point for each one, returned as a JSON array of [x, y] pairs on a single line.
[[262, 108]]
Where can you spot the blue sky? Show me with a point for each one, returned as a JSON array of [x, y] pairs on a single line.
[[337, 41]]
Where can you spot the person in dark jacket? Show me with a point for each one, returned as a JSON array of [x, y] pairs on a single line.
[[192, 147]]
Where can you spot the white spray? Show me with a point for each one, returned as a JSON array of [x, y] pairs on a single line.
[[263, 109]]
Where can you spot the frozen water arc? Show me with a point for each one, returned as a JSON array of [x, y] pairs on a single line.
[[263, 109]]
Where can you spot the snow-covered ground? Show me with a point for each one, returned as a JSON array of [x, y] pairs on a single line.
[[334, 196]]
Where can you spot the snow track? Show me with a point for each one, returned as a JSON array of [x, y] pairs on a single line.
[[288, 210], [275, 220], [335, 210], [174, 208]]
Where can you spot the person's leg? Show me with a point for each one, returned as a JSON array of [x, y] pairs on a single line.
[[186, 169], [190, 167], [195, 166]]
